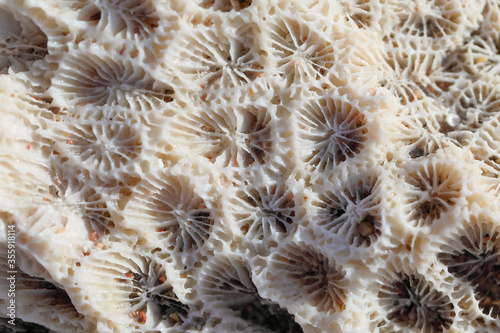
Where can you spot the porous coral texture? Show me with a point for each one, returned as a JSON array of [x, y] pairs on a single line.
[[250, 165]]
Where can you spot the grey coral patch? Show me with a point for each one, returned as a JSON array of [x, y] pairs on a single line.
[[21, 41]]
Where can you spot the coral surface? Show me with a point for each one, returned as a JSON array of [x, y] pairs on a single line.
[[250, 166]]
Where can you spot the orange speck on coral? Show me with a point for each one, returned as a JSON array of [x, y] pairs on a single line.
[[142, 318], [93, 236], [174, 318]]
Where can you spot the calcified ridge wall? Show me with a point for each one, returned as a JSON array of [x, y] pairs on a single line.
[[251, 165]]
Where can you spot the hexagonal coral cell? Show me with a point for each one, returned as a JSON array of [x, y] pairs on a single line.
[[263, 212], [97, 78], [353, 212], [227, 283], [307, 276], [474, 257], [413, 303], [131, 289], [436, 187], [171, 212], [228, 136], [302, 53], [331, 131]]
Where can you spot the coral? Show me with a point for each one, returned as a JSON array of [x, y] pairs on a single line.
[[308, 276], [227, 283], [263, 212], [171, 214], [132, 17], [226, 5], [436, 187], [474, 257], [101, 147], [302, 53], [41, 302], [250, 165], [331, 132], [411, 302], [21, 41], [232, 60], [225, 136], [86, 79], [139, 288], [353, 212]]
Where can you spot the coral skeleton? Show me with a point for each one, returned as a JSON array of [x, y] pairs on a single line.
[[250, 166]]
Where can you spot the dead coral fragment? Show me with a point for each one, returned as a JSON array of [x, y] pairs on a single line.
[[477, 103], [97, 145], [130, 288]]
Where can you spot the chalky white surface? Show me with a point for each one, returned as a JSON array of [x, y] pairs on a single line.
[[252, 166]]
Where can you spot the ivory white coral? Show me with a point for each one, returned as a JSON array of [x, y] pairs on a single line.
[[250, 165]]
